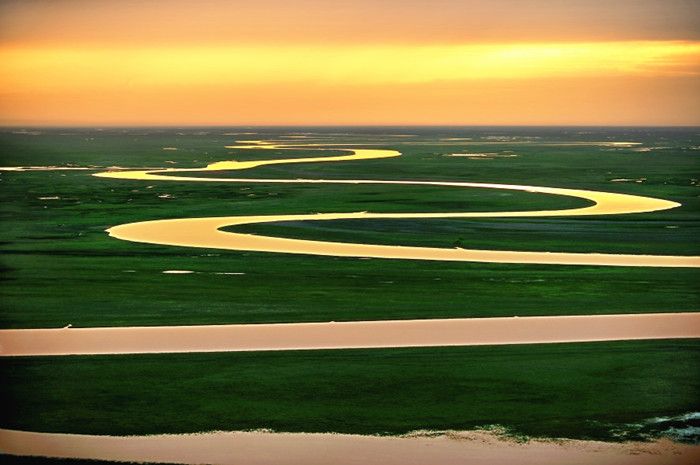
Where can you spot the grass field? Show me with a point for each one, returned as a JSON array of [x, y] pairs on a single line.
[[597, 391], [59, 267], [58, 261]]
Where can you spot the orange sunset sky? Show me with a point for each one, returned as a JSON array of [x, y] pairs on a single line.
[[314, 62]]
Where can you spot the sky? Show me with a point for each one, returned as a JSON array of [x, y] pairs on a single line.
[[359, 62]]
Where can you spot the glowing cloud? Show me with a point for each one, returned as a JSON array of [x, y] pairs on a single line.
[[72, 69]]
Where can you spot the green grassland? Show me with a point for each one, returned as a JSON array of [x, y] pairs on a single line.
[[60, 267], [594, 390]]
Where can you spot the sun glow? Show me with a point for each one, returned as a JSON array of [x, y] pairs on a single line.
[[70, 69], [517, 83]]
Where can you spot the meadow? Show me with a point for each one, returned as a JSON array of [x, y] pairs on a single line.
[[59, 267], [606, 391]]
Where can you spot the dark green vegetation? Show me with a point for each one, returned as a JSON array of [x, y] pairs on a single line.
[[59, 267], [595, 390]]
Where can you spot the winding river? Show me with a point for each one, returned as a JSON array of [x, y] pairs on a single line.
[[282, 448], [206, 232]]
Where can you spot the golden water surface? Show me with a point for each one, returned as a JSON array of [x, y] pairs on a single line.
[[206, 232]]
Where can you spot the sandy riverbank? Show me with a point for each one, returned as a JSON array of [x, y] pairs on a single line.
[[349, 335], [264, 448]]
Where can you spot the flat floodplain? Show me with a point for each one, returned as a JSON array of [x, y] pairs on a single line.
[[61, 269], [609, 391], [58, 260]]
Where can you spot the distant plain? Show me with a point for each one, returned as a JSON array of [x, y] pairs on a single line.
[[59, 267]]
